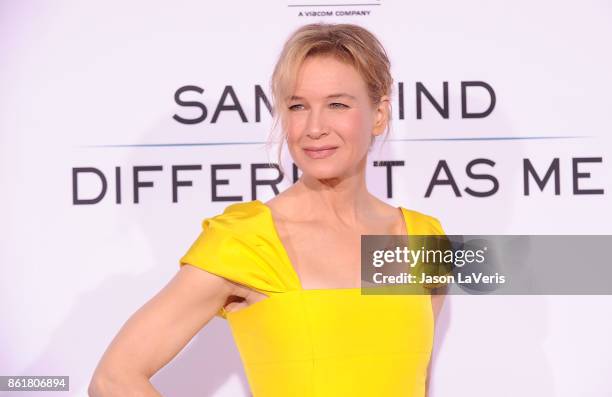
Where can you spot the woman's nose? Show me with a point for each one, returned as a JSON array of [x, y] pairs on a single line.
[[315, 127]]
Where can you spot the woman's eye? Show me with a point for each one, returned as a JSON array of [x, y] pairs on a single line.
[[335, 105], [338, 105]]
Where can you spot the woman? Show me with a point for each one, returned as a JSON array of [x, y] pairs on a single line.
[[286, 273]]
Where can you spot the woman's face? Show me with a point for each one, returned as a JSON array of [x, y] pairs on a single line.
[[330, 120]]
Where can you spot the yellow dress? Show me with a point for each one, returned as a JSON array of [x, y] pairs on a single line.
[[314, 342]]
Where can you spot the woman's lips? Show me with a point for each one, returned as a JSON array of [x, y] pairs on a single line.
[[320, 153]]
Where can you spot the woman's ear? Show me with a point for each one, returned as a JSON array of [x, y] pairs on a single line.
[[381, 115]]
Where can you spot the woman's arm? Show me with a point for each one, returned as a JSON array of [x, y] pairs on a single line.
[[437, 300], [157, 332]]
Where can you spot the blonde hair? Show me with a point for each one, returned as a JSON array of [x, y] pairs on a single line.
[[348, 43]]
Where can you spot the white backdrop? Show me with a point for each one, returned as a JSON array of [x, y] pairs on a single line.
[[93, 84]]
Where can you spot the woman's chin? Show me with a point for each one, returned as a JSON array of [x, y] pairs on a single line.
[[321, 172]]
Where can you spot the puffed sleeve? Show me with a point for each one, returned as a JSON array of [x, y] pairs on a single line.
[[441, 243], [228, 248]]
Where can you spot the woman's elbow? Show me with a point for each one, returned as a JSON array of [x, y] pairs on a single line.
[[106, 385], [100, 386]]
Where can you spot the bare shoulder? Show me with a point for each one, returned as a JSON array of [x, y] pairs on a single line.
[[290, 215], [285, 205], [387, 214], [383, 208]]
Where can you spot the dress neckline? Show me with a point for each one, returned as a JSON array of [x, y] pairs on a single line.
[[280, 244]]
